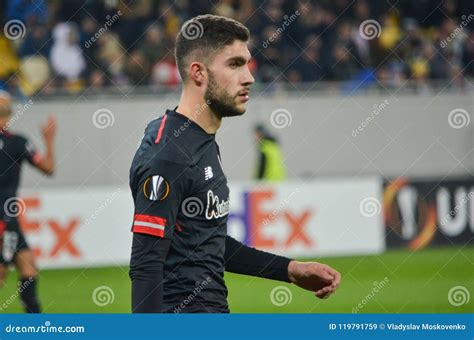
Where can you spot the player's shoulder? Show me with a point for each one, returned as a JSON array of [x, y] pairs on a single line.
[[16, 138], [158, 146]]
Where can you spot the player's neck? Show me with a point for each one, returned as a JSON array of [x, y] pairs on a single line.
[[198, 111]]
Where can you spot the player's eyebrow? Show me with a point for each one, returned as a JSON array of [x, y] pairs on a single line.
[[239, 60]]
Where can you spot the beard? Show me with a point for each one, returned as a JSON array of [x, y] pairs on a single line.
[[220, 101]]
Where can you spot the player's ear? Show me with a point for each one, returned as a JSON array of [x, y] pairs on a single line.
[[197, 72]]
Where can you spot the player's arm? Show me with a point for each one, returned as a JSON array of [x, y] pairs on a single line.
[[46, 162], [313, 276], [146, 272], [241, 259], [157, 201]]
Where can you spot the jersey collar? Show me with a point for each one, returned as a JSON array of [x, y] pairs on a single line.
[[196, 126]]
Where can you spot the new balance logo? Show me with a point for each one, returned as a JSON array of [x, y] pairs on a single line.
[[208, 173]]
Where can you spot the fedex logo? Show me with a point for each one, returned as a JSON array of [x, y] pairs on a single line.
[[61, 232], [258, 222]]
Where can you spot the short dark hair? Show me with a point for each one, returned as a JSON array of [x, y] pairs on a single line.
[[203, 36]]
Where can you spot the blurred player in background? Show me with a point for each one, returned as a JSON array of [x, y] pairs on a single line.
[[14, 150], [270, 166], [180, 243]]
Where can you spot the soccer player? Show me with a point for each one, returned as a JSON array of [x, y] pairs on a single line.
[[14, 150], [180, 246]]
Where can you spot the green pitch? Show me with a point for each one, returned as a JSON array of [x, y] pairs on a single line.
[[394, 282]]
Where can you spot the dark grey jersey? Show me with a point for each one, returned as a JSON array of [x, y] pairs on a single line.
[[180, 193], [14, 150]]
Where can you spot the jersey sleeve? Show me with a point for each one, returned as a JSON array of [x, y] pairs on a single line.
[[29, 152], [241, 259], [159, 193]]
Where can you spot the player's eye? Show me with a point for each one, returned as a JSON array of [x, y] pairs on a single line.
[[236, 63]]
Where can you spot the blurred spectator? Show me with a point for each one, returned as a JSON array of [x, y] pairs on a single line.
[[390, 33], [27, 11], [171, 21], [135, 16], [345, 39], [291, 41], [468, 55], [270, 165], [111, 56], [165, 72], [413, 41], [66, 55], [37, 42], [35, 74], [152, 46], [453, 39], [308, 68], [9, 62], [137, 68], [225, 9], [344, 63], [89, 44]]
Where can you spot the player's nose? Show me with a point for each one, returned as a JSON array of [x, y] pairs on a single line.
[[248, 78]]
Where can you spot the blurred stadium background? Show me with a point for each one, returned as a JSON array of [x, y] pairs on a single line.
[[371, 101]]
